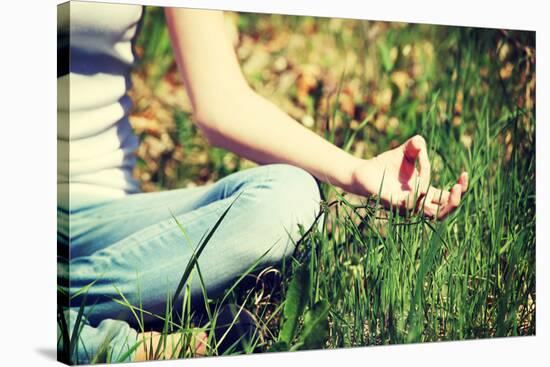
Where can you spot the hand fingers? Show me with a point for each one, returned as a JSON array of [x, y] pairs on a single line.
[[437, 196], [412, 147], [437, 203], [431, 210], [433, 202], [415, 148], [441, 203], [463, 180], [434, 206], [454, 200]]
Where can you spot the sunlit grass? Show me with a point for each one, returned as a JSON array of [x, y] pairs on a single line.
[[367, 276]]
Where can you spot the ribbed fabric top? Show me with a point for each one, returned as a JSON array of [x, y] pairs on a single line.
[[93, 126]]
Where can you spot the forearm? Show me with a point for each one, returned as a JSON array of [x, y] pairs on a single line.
[[235, 117], [254, 128]]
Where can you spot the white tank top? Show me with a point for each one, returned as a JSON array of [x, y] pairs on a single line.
[[96, 143]]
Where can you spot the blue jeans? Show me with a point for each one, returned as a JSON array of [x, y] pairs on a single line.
[[133, 246]]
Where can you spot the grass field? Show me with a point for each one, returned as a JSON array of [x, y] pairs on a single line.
[[370, 277]]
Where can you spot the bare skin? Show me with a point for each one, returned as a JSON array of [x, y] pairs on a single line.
[[402, 181], [170, 347], [234, 117]]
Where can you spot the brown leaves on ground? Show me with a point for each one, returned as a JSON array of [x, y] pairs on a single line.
[[310, 66]]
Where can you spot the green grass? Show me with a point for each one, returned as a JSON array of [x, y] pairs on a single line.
[[368, 276]]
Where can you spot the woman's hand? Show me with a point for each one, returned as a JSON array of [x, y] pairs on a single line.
[[393, 175]]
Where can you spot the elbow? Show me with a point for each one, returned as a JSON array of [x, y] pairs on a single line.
[[210, 127], [216, 118]]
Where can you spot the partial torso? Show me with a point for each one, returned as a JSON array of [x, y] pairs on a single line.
[[94, 125]]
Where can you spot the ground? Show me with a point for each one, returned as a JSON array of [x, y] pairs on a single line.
[[371, 277]]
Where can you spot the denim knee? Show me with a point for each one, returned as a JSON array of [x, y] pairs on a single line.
[[292, 199]]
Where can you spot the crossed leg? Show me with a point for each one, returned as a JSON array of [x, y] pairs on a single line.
[[133, 246]]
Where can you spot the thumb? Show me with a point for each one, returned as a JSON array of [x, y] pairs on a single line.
[[415, 148]]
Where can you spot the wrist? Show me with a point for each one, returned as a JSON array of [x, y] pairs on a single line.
[[366, 177], [348, 177]]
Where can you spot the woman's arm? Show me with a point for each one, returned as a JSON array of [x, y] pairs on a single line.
[[234, 117]]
